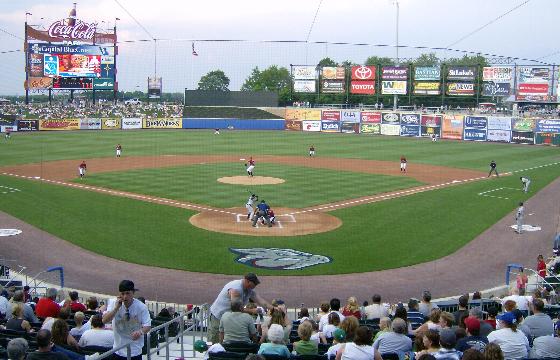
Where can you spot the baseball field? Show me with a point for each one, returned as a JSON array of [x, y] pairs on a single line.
[[162, 203]]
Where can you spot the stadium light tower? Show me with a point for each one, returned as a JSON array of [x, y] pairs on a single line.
[[396, 2]]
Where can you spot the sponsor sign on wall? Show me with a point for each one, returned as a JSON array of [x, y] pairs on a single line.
[[393, 87], [170, 123], [62, 124], [350, 127], [38, 83], [523, 137], [304, 72], [371, 117], [498, 74], [28, 125], [390, 118], [499, 123], [428, 131], [131, 123], [427, 73], [370, 128], [528, 74], [304, 86], [303, 114], [103, 84], [333, 73], [463, 73], [499, 135], [113, 124], [410, 119], [394, 73], [474, 134], [426, 88], [362, 87], [12, 128], [431, 120], [363, 72], [460, 89], [548, 125], [410, 130], [350, 116], [523, 124], [330, 126], [452, 127], [314, 125], [90, 124], [332, 86], [495, 89], [476, 122], [295, 125], [547, 138], [532, 89], [331, 115], [389, 129]]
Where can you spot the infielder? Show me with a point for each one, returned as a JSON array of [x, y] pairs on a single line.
[[312, 150], [519, 218], [119, 150], [249, 205], [250, 166], [403, 164], [525, 182], [493, 169], [82, 169]]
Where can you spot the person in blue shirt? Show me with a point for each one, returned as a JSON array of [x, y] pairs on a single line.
[[262, 211]]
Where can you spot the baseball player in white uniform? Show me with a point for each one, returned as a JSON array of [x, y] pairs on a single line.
[[519, 218], [525, 181], [249, 205], [250, 167]]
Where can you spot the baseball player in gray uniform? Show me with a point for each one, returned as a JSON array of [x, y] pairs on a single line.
[[249, 205], [525, 181], [519, 218]]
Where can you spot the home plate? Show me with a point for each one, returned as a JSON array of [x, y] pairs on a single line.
[[526, 227], [36, 177], [455, 181], [242, 159]]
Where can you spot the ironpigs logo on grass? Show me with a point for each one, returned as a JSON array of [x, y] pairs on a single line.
[[278, 259]]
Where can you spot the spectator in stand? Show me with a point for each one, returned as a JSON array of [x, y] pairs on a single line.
[[3, 306], [446, 320], [394, 341], [485, 328], [430, 342], [431, 324], [61, 335], [413, 313], [45, 348], [476, 295], [349, 325], [335, 307], [473, 340], [323, 310], [276, 345], [237, 326], [277, 316], [303, 314], [63, 314], [493, 352], [361, 348], [80, 326], [305, 346], [513, 342], [509, 305], [491, 312], [539, 324], [401, 313], [47, 307], [521, 301], [17, 349], [376, 310], [28, 313], [541, 266], [17, 322], [26, 294], [472, 354], [521, 280], [447, 340], [75, 304], [546, 347], [317, 336], [426, 306], [384, 326], [92, 304], [352, 308], [97, 335], [338, 339], [463, 308], [334, 321]]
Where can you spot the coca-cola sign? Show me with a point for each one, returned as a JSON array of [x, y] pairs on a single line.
[[80, 31]]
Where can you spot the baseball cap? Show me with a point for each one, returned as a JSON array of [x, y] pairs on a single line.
[[447, 336], [126, 285], [252, 278], [200, 346], [339, 334], [508, 317], [472, 323]]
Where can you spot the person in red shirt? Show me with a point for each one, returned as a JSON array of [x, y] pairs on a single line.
[[82, 169], [47, 306], [75, 304], [541, 266]]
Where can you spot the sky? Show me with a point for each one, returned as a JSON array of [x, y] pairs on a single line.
[[511, 28]]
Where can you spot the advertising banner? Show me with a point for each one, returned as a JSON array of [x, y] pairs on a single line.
[[394, 73], [427, 73], [497, 74], [304, 72], [12, 128], [36, 65], [370, 128], [499, 123], [330, 115], [62, 124], [523, 137], [76, 65], [390, 118], [452, 127], [362, 87], [499, 135], [427, 131], [547, 138], [155, 86], [73, 83], [46, 48], [431, 120], [39, 83], [474, 134], [333, 73], [460, 89], [363, 72], [548, 125], [304, 86], [371, 117], [332, 86], [523, 124], [169, 123], [533, 98], [131, 123], [28, 125], [60, 31], [535, 75], [350, 127], [495, 89], [330, 126], [294, 125], [389, 129], [532, 89], [426, 88], [303, 114], [350, 116], [462, 73], [90, 124], [393, 87], [115, 124], [314, 125], [410, 119], [103, 84], [410, 130], [476, 122]]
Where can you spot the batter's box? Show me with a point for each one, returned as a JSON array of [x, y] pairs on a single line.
[[499, 193], [279, 219]]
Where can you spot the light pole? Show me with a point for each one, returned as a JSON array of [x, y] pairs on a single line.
[[395, 96]]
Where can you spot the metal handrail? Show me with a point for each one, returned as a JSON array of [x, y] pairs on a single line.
[[112, 351]]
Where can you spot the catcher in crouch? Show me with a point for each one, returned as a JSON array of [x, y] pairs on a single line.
[[261, 211]]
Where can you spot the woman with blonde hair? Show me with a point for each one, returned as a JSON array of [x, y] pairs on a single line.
[[350, 325], [277, 316], [431, 324], [17, 322], [352, 308]]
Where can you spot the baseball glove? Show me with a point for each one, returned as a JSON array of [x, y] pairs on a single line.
[[245, 164]]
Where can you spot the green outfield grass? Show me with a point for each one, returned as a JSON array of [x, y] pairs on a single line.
[[198, 183]]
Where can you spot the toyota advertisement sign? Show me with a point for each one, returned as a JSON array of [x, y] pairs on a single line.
[[362, 87], [363, 73]]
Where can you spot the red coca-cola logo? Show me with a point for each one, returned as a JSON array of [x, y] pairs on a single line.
[[81, 30]]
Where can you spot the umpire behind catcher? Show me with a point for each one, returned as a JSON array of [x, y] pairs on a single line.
[[262, 210]]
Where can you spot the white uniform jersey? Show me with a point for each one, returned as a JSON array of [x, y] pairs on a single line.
[[251, 201]]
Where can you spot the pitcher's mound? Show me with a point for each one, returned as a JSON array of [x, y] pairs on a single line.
[[248, 180]]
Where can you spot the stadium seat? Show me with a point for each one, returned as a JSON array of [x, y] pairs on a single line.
[[323, 348], [241, 347], [274, 357], [227, 355], [92, 349], [309, 357], [390, 356]]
